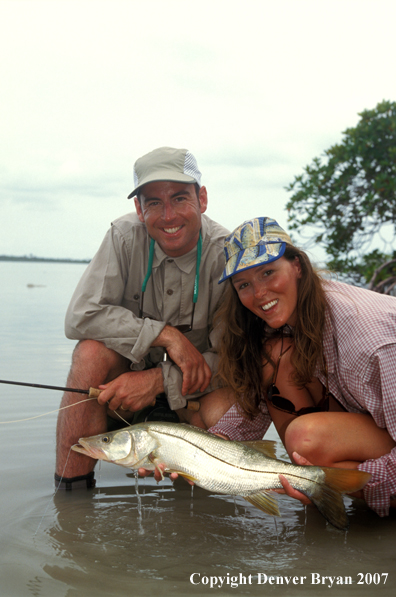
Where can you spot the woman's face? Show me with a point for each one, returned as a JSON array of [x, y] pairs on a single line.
[[270, 291]]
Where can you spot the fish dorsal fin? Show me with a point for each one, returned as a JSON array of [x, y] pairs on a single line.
[[265, 446], [265, 502]]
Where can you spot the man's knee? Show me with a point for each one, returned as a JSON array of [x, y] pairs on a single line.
[[89, 349], [91, 354]]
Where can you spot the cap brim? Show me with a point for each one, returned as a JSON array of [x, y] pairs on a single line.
[[260, 260], [165, 176]]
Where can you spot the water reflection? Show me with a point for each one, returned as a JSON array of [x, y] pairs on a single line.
[[157, 536]]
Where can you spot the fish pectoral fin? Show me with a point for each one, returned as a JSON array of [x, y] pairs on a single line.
[[265, 446], [156, 462], [264, 501]]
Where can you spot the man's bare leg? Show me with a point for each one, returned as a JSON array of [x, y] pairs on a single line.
[[92, 365]]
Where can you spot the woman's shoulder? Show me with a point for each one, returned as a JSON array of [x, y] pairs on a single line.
[[347, 295], [354, 313]]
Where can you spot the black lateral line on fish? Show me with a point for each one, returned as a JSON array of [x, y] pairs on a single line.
[[291, 476], [286, 474]]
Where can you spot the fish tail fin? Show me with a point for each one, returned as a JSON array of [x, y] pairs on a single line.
[[328, 498], [330, 504], [345, 480]]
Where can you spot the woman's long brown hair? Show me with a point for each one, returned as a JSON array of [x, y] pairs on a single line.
[[242, 348]]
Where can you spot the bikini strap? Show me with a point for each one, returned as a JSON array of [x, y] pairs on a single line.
[[275, 374]]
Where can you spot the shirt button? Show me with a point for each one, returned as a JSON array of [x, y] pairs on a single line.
[[169, 292], [136, 296], [170, 260]]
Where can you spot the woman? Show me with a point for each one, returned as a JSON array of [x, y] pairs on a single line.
[[319, 356]]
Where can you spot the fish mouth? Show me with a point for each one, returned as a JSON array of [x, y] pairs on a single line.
[[90, 451]]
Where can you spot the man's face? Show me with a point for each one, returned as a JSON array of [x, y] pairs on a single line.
[[172, 214]]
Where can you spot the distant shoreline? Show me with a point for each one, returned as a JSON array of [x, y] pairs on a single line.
[[33, 259]]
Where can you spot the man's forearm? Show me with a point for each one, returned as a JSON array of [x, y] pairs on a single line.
[[167, 336]]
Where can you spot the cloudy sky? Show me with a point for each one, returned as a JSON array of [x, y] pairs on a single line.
[[254, 88]]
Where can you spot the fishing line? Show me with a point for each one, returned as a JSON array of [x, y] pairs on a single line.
[[68, 456], [56, 488], [57, 410], [48, 413]]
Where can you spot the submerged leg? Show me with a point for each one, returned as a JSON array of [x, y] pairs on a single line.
[[92, 365]]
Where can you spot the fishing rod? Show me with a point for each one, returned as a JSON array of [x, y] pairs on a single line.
[[91, 392]]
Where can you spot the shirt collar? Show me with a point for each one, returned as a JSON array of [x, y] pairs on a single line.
[[186, 263]]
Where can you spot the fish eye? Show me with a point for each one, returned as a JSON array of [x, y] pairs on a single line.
[[106, 439]]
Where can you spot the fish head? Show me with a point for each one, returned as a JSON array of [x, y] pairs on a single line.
[[112, 446], [129, 447]]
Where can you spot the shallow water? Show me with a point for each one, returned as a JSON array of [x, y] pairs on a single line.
[[166, 541]]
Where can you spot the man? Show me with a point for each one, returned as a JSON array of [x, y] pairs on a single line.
[[143, 309]]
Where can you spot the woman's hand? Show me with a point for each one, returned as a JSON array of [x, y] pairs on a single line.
[[288, 489]]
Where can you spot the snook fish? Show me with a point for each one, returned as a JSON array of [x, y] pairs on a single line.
[[247, 469]]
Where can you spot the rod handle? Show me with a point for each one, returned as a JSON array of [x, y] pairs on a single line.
[[93, 392], [194, 405]]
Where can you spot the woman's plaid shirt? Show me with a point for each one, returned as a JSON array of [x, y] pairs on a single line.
[[359, 342]]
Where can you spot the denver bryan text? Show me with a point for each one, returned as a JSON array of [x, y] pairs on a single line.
[[313, 578]]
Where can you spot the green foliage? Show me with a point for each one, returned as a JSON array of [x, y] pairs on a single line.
[[350, 194], [375, 267]]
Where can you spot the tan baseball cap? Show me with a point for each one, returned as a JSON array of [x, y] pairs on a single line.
[[165, 163]]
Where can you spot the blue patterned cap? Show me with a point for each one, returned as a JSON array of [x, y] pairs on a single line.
[[253, 243]]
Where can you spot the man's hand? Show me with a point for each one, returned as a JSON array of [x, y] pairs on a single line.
[[196, 372], [132, 390]]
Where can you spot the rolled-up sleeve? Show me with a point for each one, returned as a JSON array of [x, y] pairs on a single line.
[[382, 486], [381, 403], [173, 381]]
